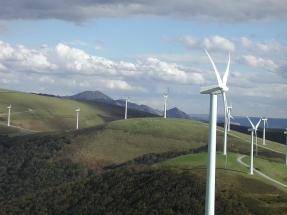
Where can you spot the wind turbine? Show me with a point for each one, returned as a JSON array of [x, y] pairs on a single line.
[[221, 88], [224, 88], [165, 95], [285, 132], [229, 108], [9, 108], [254, 130], [78, 111], [126, 110], [264, 119]]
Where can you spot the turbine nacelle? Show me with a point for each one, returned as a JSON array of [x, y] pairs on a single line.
[[224, 89]]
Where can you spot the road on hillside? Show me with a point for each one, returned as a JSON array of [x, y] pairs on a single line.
[[239, 160]]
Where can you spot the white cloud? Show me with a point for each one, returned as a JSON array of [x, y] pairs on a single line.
[[258, 46], [253, 61], [46, 79], [3, 68], [65, 61], [215, 43]]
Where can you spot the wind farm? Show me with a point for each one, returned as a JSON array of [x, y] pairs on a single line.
[[122, 107], [111, 141], [105, 141]]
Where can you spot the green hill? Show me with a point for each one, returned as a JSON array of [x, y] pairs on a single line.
[[42, 113]]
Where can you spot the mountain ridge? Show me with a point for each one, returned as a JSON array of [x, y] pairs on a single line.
[[101, 97]]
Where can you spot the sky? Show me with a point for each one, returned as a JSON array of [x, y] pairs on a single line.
[[148, 48]]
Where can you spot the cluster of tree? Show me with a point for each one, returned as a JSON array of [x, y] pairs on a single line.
[[32, 163], [45, 94], [128, 190]]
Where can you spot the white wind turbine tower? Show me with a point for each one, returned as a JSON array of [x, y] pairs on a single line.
[[221, 88], [254, 129], [126, 109], [78, 111], [251, 151], [9, 109], [229, 108], [285, 132], [165, 95], [222, 84], [264, 119]]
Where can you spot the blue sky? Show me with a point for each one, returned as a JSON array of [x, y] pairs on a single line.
[[66, 47]]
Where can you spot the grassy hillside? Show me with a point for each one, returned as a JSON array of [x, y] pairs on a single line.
[[42, 113], [123, 140]]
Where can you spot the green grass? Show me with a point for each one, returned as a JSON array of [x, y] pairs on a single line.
[[277, 171], [123, 140], [199, 160]]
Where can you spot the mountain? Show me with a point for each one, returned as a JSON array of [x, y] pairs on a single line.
[[144, 108], [92, 96], [176, 113], [101, 97]]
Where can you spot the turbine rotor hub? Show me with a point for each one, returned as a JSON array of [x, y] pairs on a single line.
[[224, 88]]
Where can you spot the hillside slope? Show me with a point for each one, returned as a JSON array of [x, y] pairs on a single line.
[[42, 113]]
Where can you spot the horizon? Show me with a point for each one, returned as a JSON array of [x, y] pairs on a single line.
[[205, 114]]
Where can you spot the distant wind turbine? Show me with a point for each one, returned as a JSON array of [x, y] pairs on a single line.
[[285, 132], [221, 88], [254, 130], [264, 119], [165, 95], [9, 109], [126, 109], [78, 111], [229, 108]]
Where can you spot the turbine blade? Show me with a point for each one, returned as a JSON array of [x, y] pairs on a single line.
[[266, 113], [225, 103], [215, 70], [231, 117], [251, 123], [258, 124], [224, 80]]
